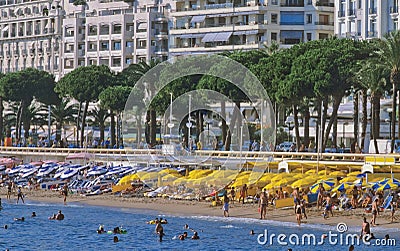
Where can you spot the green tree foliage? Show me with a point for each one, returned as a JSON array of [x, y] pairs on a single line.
[[85, 85]]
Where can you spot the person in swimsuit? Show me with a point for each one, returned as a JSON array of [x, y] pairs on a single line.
[[20, 195], [374, 212], [233, 195], [263, 202], [354, 197], [195, 236], [243, 193], [183, 236], [392, 210], [60, 216], [298, 214], [366, 229], [65, 193], [321, 192], [226, 206], [9, 188], [159, 230], [303, 208], [296, 200]]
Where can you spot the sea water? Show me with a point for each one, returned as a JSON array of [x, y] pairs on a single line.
[[78, 230]]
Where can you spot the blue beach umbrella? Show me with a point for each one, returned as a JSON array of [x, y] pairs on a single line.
[[326, 184]]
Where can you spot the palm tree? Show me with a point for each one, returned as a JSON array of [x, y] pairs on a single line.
[[99, 116], [62, 113], [130, 76], [373, 78], [388, 56]]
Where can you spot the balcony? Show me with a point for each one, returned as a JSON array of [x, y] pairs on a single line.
[[16, 53], [341, 13], [372, 11], [351, 12], [161, 35], [24, 52], [324, 23], [40, 51], [324, 3], [48, 50], [292, 4], [32, 52], [394, 9], [161, 19], [37, 32]]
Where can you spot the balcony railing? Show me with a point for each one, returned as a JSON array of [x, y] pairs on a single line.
[[341, 13], [394, 9], [292, 4], [324, 23], [291, 23], [372, 11], [351, 12], [325, 3]]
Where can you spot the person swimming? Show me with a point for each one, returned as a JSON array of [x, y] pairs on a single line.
[[101, 230], [60, 216], [159, 230], [252, 232], [19, 219], [6, 226], [195, 236], [53, 217], [33, 214], [183, 236], [116, 239], [186, 226]]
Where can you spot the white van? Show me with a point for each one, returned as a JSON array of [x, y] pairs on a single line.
[[383, 145]]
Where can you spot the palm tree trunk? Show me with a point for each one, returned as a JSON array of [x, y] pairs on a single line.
[[336, 103], [306, 127], [153, 127], [355, 116], [77, 123], [296, 125], [1, 119], [334, 133], [364, 119], [374, 134], [18, 122], [112, 130], [147, 127], [223, 124], [393, 116], [83, 122]]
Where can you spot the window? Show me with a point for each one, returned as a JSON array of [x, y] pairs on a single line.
[[128, 61], [116, 62], [103, 61], [309, 36], [92, 62], [359, 4], [117, 29], [142, 44], [292, 18], [323, 36], [274, 36], [309, 18], [129, 44], [117, 46], [104, 46], [274, 18]]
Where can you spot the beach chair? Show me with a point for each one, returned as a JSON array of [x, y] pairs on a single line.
[[386, 203]]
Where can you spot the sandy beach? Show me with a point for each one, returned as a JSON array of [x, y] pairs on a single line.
[[196, 208]]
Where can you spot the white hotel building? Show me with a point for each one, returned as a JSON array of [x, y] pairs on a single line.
[[30, 35], [214, 26], [360, 19]]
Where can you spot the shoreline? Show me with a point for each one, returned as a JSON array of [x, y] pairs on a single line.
[[352, 218]]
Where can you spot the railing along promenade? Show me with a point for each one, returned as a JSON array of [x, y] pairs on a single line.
[[61, 153]]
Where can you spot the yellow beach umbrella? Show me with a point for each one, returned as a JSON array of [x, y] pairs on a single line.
[[325, 183], [180, 181], [281, 176], [283, 182], [270, 186], [312, 171], [388, 185], [149, 176], [128, 179], [168, 171], [348, 179], [306, 182], [343, 186], [323, 172], [337, 174], [354, 173]]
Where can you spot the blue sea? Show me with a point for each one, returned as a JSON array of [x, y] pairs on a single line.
[[78, 231]]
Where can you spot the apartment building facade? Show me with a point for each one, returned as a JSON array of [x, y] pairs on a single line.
[[114, 33], [214, 26], [368, 19], [30, 35]]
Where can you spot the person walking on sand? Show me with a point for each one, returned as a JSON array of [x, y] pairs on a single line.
[[392, 210], [226, 206], [243, 193], [9, 189], [296, 199], [375, 212], [20, 195], [262, 205], [65, 192], [303, 207], [233, 195]]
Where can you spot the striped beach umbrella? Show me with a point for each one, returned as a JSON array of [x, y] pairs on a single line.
[[342, 187], [326, 184], [388, 185]]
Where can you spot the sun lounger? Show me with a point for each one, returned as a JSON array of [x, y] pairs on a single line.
[[386, 203]]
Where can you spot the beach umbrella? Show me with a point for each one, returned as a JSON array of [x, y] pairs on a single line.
[[325, 183], [180, 181], [306, 182], [283, 182], [348, 179], [342, 187], [353, 173], [149, 176], [128, 179], [311, 171], [281, 176], [388, 185], [337, 174], [361, 175], [323, 172]]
